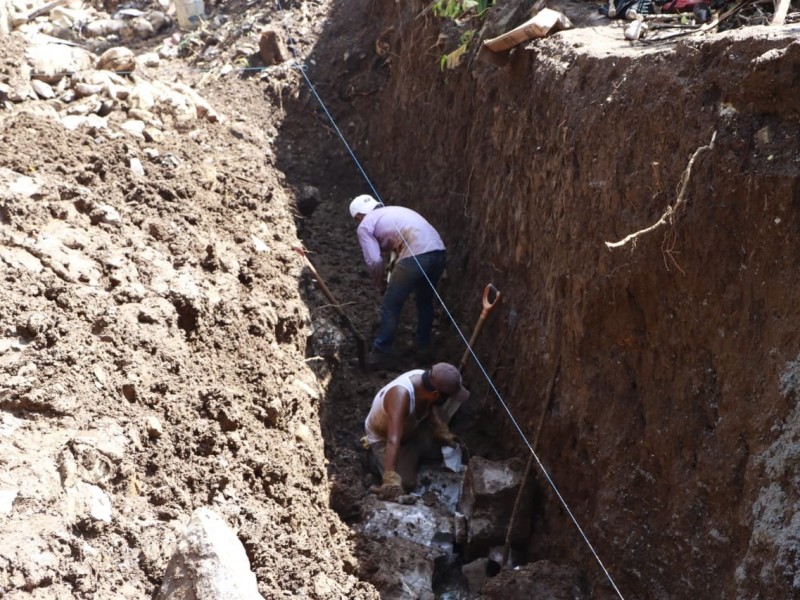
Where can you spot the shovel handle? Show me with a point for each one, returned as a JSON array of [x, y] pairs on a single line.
[[320, 283], [488, 302], [361, 347]]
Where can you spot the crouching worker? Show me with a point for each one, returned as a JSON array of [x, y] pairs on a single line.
[[404, 428]]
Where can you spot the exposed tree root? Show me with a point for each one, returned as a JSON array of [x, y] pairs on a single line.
[[671, 210]]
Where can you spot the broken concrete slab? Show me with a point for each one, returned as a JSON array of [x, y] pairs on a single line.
[[446, 485]]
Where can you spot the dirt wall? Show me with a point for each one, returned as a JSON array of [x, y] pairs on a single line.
[[673, 418]]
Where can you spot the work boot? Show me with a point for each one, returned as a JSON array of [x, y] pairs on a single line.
[[378, 360]]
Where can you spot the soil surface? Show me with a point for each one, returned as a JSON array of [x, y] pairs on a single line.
[[163, 347]]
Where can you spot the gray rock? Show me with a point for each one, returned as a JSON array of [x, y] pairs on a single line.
[[5, 24], [133, 126], [476, 574], [73, 122], [19, 184], [487, 501], [21, 93], [136, 167], [152, 134], [51, 62], [209, 562], [159, 20], [307, 198], [149, 59], [102, 28], [7, 498], [119, 59], [82, 89], [42, 89], [154, 427], [105, 213], [137, 29], [88, 503]]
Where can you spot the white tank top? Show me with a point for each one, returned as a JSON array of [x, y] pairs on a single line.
[[377, 421]]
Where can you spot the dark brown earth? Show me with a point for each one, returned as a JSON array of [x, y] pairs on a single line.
[[672, 430]]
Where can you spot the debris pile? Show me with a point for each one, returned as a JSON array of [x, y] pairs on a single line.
[[653, 21]]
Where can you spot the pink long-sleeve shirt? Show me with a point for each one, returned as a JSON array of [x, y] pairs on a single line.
[[381, 229]]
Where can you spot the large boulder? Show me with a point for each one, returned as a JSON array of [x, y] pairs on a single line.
[[487, 501], [409, 543], [209, 563], [51, 62]]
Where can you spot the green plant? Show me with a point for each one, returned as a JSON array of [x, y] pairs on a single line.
[[457, 9], [453, 59]]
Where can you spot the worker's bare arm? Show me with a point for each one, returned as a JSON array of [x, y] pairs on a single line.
[[396, 403]]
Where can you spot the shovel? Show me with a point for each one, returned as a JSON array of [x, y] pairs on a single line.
[[361, 347], [488, 306], [491, 296]]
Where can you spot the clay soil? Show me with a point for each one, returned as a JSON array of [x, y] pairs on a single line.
[[193, 310]]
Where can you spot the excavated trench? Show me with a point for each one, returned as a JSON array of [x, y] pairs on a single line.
[[154, 325], [662, 373]]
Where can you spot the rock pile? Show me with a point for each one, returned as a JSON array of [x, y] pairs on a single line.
[[108, 91]]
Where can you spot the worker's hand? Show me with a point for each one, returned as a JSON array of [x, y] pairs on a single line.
[[391, 488], [446, 437]]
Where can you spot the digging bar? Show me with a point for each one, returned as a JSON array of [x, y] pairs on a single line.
[[548, 400], [491, 296], [361, 347]]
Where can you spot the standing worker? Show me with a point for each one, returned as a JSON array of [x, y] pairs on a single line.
[[420, 263], [404, 428]]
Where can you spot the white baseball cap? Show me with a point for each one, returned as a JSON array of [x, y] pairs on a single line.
[[363, 205]]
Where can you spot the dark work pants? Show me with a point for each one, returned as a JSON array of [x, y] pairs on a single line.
[[407, 278]]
